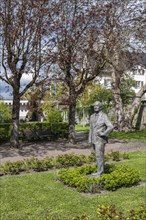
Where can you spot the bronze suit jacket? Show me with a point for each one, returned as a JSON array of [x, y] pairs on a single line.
[[100, 128]]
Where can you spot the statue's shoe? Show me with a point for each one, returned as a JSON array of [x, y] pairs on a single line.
[[95, 174]]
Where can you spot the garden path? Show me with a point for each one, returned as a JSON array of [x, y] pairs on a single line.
[[47, 148]]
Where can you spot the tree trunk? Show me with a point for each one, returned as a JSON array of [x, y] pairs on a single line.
[[15, 121], [72, 112], [72, 106], [118, 110], [134, 108], [117, 101]]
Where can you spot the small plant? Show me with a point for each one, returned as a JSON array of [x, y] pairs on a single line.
[[125, 156], [139, 213], [92, 157], [109, 213], [115, 155]]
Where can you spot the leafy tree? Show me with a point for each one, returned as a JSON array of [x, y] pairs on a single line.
[[5, 113], [96, 92], [52, 114], [127, 89]]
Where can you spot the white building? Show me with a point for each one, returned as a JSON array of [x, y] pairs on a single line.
[[23, 107], [139, 75]]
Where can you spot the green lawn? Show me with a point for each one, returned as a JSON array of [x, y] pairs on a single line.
[[130, 135], [37, 195]]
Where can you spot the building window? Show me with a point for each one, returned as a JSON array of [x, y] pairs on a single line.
[[107, 82], [135, 72], [139, 84], [138, 71], [141, 71]]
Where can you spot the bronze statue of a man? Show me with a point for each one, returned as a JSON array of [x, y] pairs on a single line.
[[100, 128]]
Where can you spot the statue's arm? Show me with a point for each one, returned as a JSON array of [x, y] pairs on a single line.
[[109, 126], [90, 132]]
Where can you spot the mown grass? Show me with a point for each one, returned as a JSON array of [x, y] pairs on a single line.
[[37, 195], [129, 135]]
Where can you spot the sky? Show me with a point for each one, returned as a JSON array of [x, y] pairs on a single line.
[[6, 90]]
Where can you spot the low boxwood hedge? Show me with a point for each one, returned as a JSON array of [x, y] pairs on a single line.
[[61, 161], [114, 178]]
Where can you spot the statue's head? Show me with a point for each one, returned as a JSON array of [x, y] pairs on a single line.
[[97, 106]]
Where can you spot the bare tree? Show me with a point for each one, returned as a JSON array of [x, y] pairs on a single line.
[[22, 32], [121, 32], [75, 26]]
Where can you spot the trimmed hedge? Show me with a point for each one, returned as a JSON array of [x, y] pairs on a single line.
[[55, 131], [5, 131], [114, 178]]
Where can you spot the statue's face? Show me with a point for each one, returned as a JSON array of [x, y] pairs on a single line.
[[97, 108]]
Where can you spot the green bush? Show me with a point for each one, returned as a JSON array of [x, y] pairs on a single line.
[[33, 163], [12, 168], [38, 165], [122, 176], [111, 213], [115, 177], [5, 112], [61, 161], [114, 155], [54, 116], [56, 130], [67, 160], [5, 131]]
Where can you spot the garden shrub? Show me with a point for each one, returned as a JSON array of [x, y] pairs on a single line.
[[39, 165], [12, 167], [5, 131], [55, 130], [61, 161], [138, 214], [114, 155], [115, 177], [54, 116], [122, 176], [67, 160], [109, 213]]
